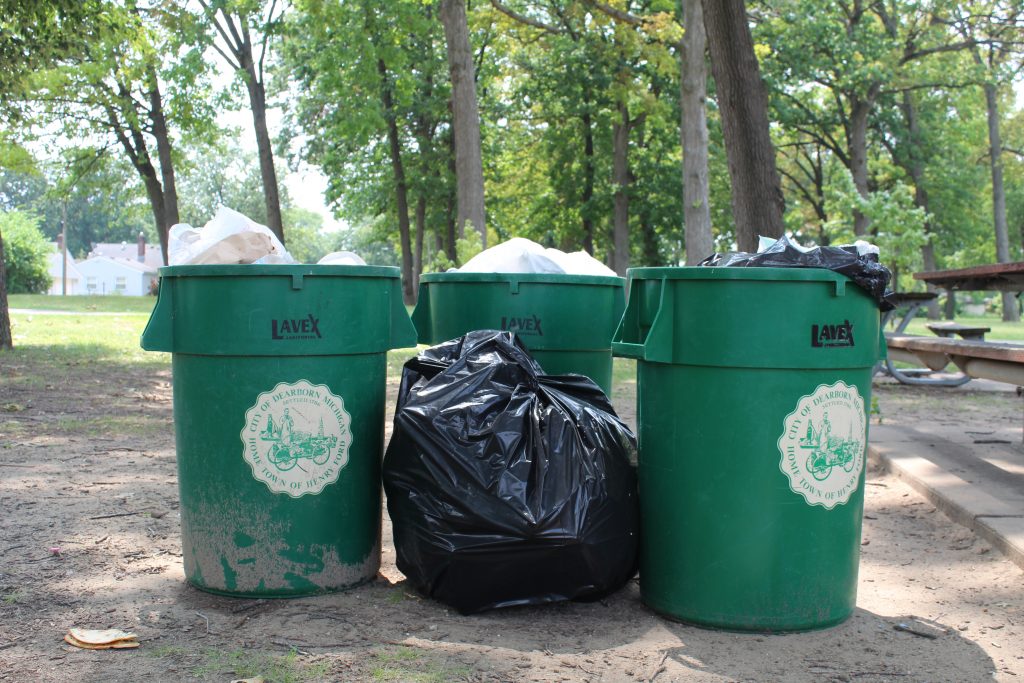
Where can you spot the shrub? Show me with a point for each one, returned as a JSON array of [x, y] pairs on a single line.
[[25, 253]]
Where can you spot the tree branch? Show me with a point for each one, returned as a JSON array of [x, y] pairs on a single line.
[[523, 19], [266, 36]]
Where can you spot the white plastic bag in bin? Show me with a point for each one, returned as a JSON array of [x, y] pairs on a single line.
[[229, 237]]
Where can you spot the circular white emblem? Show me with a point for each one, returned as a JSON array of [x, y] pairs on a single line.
[[296, 438], [822, 445]]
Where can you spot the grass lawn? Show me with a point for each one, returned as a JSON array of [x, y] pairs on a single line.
[[77, 338], [90, 304]]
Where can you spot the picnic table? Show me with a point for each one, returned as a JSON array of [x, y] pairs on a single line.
[[974, 356], [1003, 277]]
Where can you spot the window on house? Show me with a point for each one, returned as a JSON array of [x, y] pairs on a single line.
[[120, 284], [90, 283]]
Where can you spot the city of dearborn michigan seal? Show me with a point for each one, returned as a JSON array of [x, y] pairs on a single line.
[[822, 445], [296, 438]]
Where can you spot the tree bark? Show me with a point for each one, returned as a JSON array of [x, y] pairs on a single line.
[[757, 200], [6, 339], [239, 42], [588, 178], [1010, 310], [265, 150], [858, 142], [417, 254], [156, 202], [135, 147], [693, 131], [914, 165], [401, 187], [469, 173], [168, 189], [621, 178]]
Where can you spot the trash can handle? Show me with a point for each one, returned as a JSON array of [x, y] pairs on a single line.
[[403, 332], [421, 316], [159, 332], [655, 343], [883, 346]]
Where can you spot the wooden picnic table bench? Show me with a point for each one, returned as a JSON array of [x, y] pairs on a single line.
[[988, 360]]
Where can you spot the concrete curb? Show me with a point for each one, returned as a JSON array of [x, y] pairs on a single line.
[[965, 503]]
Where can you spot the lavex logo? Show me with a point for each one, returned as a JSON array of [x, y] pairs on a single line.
[[832, 335], [289, 328], [526, 325]]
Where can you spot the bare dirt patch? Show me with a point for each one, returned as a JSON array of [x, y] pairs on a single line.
[[90, 538]]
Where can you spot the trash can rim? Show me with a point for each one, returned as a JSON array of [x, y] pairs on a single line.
[[541, 278], [261, 269], [738, 273]]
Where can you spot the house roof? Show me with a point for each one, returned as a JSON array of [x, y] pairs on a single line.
[[88, 263], [55, 249], [129, 251], [56, 267]]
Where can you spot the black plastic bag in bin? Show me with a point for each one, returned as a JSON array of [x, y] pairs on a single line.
[[863, 268], [506, 486]]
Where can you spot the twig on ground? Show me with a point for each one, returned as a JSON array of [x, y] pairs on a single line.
[[117, 514], [658, 669], [248, 606], [910, 629]]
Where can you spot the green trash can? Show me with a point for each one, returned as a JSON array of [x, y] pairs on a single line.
[[279, 380], [753, 392], [566, 321]]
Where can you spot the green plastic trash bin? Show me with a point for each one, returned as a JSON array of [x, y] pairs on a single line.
[[753, 391], [279, 379], [566, 321]]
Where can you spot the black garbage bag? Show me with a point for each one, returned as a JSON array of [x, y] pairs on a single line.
[[506, 486], [864, 269]]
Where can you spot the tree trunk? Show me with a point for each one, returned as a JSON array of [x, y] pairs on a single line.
[[1010, 310], [265, 150], [757, 201], [914, 165], [858, 142], [156, 200], [469, 174], [949, 309], [621, 178], [451, 229], [928, 256], [588, 177], [401, 187], [6, 339], [693, 130], [155, 195], [163, 150], [417, 255]]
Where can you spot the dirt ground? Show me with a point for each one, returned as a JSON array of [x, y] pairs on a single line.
[[90, 538]]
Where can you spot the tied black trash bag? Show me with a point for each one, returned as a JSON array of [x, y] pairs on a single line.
[[506, 486], [864, 269]]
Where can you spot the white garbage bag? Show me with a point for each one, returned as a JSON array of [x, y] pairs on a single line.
[[519, 255], [342, 258], [228, 238]]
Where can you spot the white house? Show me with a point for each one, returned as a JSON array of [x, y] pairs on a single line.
[[102, 275], [150, 254], [120, 268], [56, 268]]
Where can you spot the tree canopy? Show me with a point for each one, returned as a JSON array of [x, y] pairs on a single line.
[[888, 120]]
